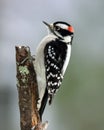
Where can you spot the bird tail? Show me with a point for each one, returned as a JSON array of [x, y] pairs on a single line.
[[50, 98], [43, 104]]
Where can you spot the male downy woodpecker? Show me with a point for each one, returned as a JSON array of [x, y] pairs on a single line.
[[51, 61]]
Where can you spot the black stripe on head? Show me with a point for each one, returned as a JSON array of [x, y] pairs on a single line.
[[64, 32], [60, 22]]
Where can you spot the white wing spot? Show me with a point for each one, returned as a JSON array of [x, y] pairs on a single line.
[[48, 68], [48, 61]]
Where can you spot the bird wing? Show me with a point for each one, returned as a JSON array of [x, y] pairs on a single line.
[[55, 54]]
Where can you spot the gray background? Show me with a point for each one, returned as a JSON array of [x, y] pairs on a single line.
[[79, 105]]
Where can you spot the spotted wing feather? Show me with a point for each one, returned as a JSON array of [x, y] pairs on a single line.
[[55, 53]]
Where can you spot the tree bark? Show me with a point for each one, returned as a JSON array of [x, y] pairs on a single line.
[[27, 90]]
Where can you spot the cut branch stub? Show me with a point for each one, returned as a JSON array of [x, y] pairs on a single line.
[[27, 89]]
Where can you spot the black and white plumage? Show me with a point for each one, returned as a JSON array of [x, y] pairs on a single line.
[[54, 61], [51, 61]]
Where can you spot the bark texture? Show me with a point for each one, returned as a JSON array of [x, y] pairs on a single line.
[[27, 89]]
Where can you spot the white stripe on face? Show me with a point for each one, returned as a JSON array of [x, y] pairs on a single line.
[[63, 26]]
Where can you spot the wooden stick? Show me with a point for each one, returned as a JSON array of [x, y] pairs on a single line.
[[27, 91]]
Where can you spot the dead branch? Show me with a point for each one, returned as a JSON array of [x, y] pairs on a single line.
[[27, 91]]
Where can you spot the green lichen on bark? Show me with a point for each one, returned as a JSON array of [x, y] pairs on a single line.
[[23, 70]]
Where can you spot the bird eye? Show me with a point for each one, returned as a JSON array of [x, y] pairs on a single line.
[[57, 28]]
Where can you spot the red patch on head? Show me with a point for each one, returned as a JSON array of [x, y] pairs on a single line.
[[71, 29]]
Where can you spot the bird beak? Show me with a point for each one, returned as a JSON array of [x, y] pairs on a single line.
[[50, 26]]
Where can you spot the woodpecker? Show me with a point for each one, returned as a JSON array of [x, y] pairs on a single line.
[[51, 60]]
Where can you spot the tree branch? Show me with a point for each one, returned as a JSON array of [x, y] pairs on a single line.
[[27, 91]]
